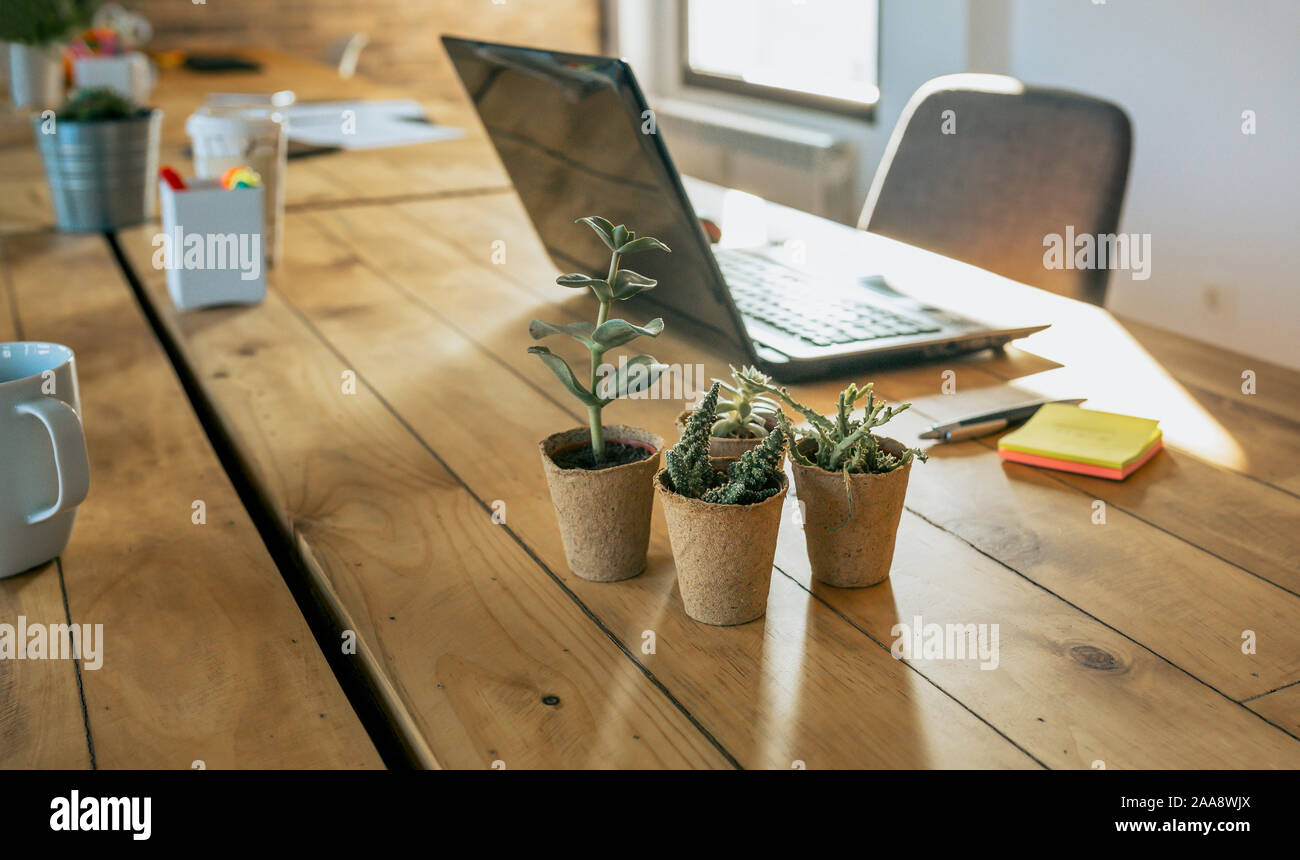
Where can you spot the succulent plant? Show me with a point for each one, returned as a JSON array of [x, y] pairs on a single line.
[[633, 375], [747, 481], [42, 22], [843, 444], [96, 103], [747, 413]]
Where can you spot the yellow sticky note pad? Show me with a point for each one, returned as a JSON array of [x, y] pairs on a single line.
[[1061, 432]]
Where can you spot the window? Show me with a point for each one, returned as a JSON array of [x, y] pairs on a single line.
[[821, 53]]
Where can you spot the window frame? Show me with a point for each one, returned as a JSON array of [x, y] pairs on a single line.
[[689, 77]]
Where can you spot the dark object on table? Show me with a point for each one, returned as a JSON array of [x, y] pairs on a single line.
[[220, 63]]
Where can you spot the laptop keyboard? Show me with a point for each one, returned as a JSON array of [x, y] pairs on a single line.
[[790, 300]]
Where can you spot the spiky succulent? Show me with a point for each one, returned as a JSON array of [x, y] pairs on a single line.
[[636, 374], [846, 445], [749, 480], [747, 413], [95, 104], [843, 443]]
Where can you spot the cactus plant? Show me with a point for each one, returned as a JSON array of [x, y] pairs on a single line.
[[749, 480], [843, 444], [619, 284], [95, 104], [747, 414], [42, 22]]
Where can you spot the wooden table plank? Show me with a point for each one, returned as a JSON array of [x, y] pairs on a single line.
[[797, 687], [41, 723], [430, 258], [1281, 707], [206, 656]]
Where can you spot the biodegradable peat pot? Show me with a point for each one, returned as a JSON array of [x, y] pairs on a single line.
[[860, 552], [724, 553], [721, 446], [604, 514]]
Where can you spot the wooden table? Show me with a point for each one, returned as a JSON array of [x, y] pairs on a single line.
[[206, 659], [458, 166], [1121, 643]]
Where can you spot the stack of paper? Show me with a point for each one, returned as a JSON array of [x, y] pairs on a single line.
[[1101, 444], [364, 124]]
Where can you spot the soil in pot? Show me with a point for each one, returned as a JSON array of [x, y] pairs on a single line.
[[851, 551], [580, 456], [603, 511], [723, 553]]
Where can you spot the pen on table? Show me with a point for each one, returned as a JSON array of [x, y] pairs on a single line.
[[989, 422]]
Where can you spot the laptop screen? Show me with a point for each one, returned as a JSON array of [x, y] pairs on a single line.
[[577, 139]]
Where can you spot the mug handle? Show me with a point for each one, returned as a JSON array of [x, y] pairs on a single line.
[[70, 460]]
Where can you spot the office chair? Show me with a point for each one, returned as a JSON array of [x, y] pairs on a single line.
[[1011, 164]]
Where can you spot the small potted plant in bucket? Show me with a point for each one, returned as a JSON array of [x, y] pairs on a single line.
[[100, 153], [850, 485], [723, 515], [600, 476], [742, 420]]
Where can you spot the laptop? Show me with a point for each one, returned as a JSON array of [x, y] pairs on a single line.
[[577, 137]]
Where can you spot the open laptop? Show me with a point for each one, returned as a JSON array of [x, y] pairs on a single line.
[[575, 134]]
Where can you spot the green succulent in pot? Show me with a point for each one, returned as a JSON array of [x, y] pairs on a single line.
[[749, 412], [97, 104], [845, 444], [620, 284], [601, 477], [851, 486], [723, 516], [750, 479]]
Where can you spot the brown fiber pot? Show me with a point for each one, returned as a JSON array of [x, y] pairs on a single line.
[[860, 553], [604, 514], [723, 553], [721, 446]]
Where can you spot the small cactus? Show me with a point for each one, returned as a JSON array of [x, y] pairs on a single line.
[[749, 480], [96, 103]]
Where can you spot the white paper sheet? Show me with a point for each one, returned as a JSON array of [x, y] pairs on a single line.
[[364, 124]]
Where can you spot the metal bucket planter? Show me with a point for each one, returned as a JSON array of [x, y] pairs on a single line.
[[101, 173]]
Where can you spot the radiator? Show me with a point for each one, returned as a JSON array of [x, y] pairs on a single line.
[[808, 169]]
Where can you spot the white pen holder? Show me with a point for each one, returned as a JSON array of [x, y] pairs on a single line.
[[212, 245]]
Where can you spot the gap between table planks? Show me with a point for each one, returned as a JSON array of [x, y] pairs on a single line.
[[394, 246], [206, 657]]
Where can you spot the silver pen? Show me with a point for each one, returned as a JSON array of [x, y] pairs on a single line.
[[989, 422]]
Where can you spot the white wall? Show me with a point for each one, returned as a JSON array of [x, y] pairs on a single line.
[[1222, 208]]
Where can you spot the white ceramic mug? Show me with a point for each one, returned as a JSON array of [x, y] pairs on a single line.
[[44, 473]]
